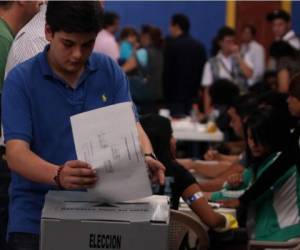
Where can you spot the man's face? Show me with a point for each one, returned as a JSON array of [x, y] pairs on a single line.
[[227, 44], [173, 29], [30, 9], [69, 51], [247, 35], [280, 27], [145, 40], [116, 26], [257, 149], [294, 105]]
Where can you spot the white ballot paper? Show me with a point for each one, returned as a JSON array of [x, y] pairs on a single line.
[[107, 138]]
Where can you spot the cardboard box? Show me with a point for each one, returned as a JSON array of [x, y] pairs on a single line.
[[77, 221]]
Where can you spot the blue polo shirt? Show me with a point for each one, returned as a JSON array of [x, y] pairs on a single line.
[[37, 106]]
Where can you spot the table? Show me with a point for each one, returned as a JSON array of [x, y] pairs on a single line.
[[185, 130], [222, 210]]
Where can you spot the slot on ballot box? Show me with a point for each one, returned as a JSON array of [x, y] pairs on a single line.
[[77, 221]]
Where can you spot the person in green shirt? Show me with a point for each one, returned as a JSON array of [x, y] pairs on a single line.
[[274, 216], [13, 16]]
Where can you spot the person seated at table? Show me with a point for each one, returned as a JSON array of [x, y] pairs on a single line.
[[276, 212], [223, 93], [179, 182], [288, 157], [224, 165]]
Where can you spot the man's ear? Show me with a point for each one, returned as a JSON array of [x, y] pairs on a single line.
[[48, 33]]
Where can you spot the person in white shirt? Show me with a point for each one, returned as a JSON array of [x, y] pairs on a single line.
[[226, 64], [256, 53], [29, 41], [281, 26], [106, 42]]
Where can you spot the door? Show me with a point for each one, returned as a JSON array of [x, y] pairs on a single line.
[[254, 13]]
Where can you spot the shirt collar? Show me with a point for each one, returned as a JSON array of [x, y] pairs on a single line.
[[47, 70], [223, 57], [106, 33]]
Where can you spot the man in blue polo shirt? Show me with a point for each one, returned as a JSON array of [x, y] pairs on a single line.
[[39, 97]]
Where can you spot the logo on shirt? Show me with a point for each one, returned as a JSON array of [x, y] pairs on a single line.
[[104, 98]]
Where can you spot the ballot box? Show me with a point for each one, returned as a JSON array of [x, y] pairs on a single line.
[[77, 221]]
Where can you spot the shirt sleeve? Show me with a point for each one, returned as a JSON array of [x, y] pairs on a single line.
[[4, 50], [207, 78], [183, 178], [22, 50], [16, 113], [108, 47]]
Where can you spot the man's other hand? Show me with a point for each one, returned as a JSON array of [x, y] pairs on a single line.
[[157, 170]]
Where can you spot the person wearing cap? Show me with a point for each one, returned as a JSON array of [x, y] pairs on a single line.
[[281, 26]]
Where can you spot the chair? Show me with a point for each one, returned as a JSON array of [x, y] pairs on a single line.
[[180, 224], [258, 245]]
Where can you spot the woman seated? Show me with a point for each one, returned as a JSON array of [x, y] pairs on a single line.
[[219, 166], [275, 215], [179, 182]]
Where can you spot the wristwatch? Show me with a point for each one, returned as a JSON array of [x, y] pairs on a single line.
[[151, 155]]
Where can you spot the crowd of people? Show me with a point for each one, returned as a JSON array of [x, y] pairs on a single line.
[[48, 72]]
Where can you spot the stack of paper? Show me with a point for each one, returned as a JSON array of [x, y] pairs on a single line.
[[107, 138]]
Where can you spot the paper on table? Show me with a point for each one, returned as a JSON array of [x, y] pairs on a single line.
[[107, 138]]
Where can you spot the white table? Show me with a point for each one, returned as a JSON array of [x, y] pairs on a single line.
[[185, 130]]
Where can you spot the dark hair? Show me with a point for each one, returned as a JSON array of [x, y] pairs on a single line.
[[294, 88], [278, 14], [182, 21], [245, 105], [74, 16], [159, 131], [156, 37], [274, 99], [154, 33], [110, 18], [146, 28], [223, 92], [269, 128], [279, 49], [128, 31], [221, 34], [279, 102], [251, 28], [5, 4]]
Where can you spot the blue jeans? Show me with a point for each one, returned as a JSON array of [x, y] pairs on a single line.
[[23, 241]]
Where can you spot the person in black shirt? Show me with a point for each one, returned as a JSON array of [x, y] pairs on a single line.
[[184, 59], [179, 181]]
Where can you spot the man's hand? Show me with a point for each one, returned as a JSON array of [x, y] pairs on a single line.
[[157, 170], [77, 175], [232, 203]]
